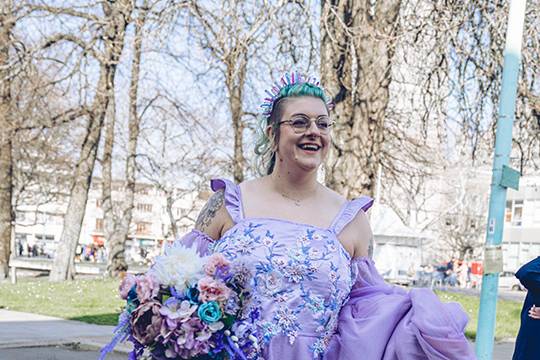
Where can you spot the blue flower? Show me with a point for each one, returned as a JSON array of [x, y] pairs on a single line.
[[209, 312], [132, 294], [192, 294]]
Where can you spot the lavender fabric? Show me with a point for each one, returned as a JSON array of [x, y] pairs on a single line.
[[318, 303]]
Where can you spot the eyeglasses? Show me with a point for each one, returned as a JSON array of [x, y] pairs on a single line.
[[302, 123]]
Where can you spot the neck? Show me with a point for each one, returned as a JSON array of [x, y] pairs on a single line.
[[298, 185]]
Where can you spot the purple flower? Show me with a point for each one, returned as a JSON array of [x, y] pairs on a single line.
[[126, 286], [176, 311]]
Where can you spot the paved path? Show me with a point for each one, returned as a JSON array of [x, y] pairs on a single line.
[[31, 336], [32, 333]]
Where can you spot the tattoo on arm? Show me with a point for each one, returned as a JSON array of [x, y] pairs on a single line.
[[208, 213], [370, 248]]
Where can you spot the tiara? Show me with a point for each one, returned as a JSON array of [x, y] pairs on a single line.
[[287, 80]]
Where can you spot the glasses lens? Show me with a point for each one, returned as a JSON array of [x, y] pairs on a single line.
[[323, 125], [300, 123]]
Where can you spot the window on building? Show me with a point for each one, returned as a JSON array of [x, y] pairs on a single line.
[[99, 224], [143, 227], [21, 216], [143, 190], [144, 207], [41, 218], [44, 237], [536, 212], [514, 212]]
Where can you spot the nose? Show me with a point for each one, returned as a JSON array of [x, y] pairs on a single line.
[[313, 129]]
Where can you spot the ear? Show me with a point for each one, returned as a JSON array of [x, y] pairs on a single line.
[[269, 131], [271, 136]]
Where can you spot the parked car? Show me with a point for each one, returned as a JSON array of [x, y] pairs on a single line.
[[508, 280]]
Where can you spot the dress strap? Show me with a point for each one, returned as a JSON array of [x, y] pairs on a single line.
[[233, 201], [349, 211]]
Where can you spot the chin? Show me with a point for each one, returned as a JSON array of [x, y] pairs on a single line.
[[310, 166]]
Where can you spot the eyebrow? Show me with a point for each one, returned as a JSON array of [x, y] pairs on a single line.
[[302, 114]]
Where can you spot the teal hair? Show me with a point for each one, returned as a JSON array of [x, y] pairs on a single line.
[[265, 146]]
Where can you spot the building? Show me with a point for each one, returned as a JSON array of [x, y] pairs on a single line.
[[521, 236], [399, 250], [39, 228]]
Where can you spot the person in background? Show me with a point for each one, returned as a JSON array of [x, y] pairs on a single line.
[[527, 342]]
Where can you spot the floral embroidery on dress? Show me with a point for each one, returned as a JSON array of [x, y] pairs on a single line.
[[303, 281]]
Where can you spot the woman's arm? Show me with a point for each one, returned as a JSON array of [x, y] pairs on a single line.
[[364, 244], [214, 217], [358, 237]]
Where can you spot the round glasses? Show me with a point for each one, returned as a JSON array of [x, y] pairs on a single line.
[[301, 124]]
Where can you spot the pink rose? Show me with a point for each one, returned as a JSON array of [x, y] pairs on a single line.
[[216, 261], [126, 285], [147, 287], [212, 290]]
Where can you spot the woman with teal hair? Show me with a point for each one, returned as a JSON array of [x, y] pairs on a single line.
[[317, 293]]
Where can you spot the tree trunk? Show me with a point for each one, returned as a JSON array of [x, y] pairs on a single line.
[[110, 220], [357, 46], [235, 79], [116, 19], [170, 201], [116, 262], [6, 132]]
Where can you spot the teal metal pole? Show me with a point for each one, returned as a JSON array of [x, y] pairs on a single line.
[[497, 200]]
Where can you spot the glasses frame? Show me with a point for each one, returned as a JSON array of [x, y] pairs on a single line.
[[311, 120]]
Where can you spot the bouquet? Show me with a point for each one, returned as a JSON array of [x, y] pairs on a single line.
[[188, 307]]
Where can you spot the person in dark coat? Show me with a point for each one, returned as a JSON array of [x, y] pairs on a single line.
[[527, 342]]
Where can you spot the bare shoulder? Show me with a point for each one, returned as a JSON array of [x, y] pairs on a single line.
[[213, 216], [357, 235], [252, 184], [333, 197]]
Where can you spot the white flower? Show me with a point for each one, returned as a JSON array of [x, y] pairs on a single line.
[[216, 326], [179, 267]]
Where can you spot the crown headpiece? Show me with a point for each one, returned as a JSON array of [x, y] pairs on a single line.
[[288, 80]]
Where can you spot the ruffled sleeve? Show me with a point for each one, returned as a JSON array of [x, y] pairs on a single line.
[[198, 239], [381, 321]]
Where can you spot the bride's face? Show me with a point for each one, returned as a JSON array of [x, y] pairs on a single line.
[[303, 148]]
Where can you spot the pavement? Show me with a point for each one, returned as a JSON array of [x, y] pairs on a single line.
[[37, 337], [32, 336]]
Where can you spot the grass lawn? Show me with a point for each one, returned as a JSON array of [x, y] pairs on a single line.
[[93, 301], [97, 302], [508, 314]]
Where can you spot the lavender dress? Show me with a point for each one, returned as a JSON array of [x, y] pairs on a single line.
[[318, 303]]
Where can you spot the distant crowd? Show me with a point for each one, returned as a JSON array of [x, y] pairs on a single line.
[[455, 272]]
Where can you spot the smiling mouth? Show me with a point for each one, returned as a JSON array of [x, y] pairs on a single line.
[[309, 147]]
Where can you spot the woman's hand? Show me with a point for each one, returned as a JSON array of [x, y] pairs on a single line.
[[534, 312]]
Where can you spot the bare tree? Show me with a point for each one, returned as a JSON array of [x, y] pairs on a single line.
[[469, 44], [358, 40], [177, 155], [455, 59], [117, 228], [7, 22], [111, 37], [231, 33]]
